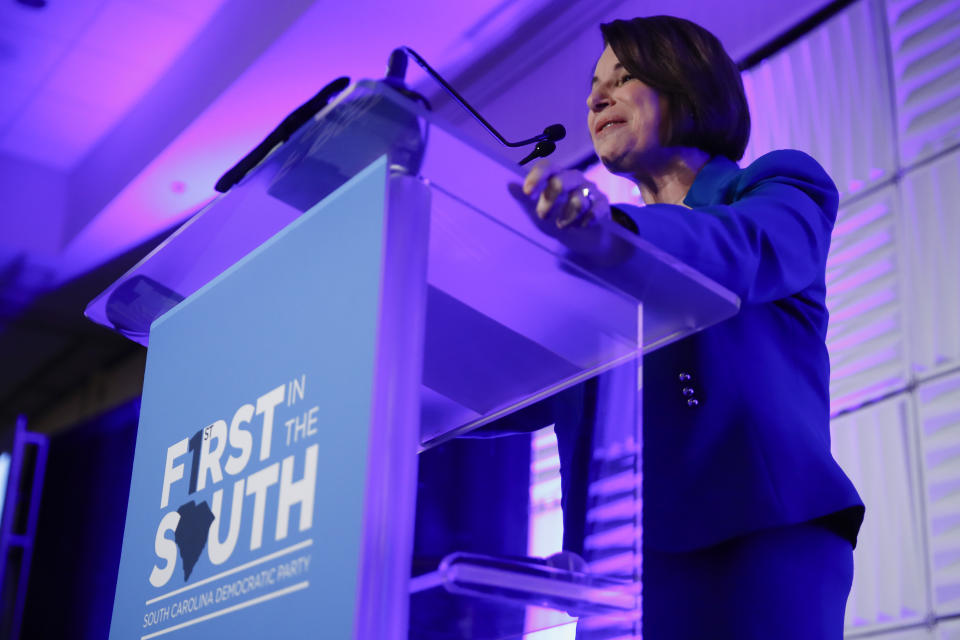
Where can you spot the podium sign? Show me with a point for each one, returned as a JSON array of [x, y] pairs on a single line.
[[231, 531]]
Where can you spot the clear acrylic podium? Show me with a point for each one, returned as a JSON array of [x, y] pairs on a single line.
[[478, 315]]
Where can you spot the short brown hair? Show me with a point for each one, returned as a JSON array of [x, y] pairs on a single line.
[[686, 64]]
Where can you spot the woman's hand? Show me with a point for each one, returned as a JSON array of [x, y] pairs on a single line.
[[568, 207], [564, 198]]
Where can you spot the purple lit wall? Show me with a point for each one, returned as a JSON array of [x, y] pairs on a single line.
[[545, 535]]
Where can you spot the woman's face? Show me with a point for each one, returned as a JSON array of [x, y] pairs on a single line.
[[624, 117]]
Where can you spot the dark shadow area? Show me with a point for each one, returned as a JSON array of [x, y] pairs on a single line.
[[80, 528], [473, 496]]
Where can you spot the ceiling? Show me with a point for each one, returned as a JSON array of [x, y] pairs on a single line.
[[118, 116]]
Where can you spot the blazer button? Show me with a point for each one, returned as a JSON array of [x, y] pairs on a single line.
[[684, 377], [692, 402], [687, 391]]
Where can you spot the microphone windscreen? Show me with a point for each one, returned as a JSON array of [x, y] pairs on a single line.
[[555, 132], [397, 66]]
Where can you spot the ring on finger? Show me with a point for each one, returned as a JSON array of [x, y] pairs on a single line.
[[586, 200]]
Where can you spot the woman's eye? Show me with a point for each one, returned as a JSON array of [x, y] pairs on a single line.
[[624, 78]]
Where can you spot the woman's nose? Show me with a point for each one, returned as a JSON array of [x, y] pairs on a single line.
[[597, 100]]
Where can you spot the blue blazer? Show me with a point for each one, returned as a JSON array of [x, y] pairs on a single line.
[[754, 452]]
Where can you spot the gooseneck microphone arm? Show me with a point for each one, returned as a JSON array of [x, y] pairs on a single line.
[[545, 141]]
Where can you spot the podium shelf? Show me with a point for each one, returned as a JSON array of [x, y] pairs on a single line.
[[518, 595]]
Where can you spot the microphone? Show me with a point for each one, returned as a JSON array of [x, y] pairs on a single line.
[[545, 141], [396, 69], [542, 150], [281, 133]]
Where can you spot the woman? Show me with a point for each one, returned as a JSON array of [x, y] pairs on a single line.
[[749, 523]]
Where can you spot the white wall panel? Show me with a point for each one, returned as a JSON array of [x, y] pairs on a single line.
[[828, 94], [925, 48], [938, 410], [866, 336], [920, 633], [876, 446], [931, 207], [948, 630]]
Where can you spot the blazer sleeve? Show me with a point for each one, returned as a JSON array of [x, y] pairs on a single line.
[[769, 242]]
